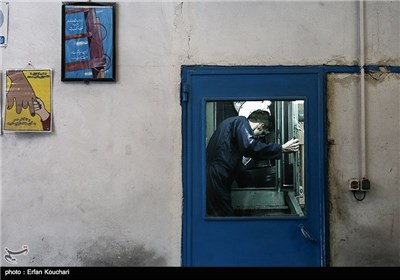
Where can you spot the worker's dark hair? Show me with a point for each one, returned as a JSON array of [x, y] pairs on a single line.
[[261, 116]]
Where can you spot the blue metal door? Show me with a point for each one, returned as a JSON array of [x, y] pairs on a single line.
[[287, 224]]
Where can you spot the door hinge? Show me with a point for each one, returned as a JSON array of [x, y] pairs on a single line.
[[185, 93]]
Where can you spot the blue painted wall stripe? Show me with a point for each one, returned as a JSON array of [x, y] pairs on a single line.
[[325, 68], [376, 68]]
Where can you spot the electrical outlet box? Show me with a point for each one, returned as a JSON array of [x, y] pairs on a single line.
[[365, 185], [354, 184]]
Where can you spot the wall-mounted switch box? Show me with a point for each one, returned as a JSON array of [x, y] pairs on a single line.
[[365, 185]]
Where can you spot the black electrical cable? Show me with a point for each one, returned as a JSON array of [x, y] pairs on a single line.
[[373, 77], [359, 199]]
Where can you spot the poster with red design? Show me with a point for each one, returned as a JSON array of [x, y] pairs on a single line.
[[88, 37]]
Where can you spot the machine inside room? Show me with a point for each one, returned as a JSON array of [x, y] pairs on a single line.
[[267, 187]]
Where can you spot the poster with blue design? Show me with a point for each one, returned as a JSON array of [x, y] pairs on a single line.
[[88, 41]]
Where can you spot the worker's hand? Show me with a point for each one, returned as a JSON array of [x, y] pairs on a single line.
[[21, 92], [291, 146]]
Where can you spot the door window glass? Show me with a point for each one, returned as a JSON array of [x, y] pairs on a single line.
[[247, 173]]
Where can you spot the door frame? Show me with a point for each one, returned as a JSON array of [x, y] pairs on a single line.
[[186, 76]]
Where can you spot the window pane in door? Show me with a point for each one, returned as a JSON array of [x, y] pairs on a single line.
[[247, 175]]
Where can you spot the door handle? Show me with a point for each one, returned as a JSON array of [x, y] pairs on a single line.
[[306, 234]]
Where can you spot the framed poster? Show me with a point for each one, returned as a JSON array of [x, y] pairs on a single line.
[[88, 41], [28, 102]]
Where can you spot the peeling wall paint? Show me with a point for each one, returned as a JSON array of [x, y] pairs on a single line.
[[377, 78], [340, 60]]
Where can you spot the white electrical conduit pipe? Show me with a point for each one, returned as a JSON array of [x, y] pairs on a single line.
[[362, 92]]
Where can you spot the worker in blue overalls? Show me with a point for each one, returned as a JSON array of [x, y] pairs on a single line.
[[234, 138]]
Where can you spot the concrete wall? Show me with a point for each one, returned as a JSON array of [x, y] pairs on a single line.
[[105, 188], [364, 233]]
